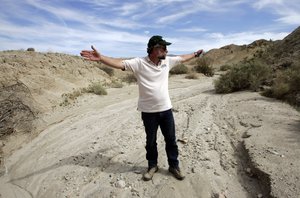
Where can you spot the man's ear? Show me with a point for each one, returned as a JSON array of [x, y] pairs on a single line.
[[149, 50]]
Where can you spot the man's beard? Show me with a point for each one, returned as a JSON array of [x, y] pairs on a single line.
[[162, 57]]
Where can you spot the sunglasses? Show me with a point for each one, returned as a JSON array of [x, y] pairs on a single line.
[[161, 47]]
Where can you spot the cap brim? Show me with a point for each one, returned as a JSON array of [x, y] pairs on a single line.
[[166, 43]]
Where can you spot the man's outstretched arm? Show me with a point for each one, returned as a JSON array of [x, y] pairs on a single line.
[[94, 55], [187, 57]]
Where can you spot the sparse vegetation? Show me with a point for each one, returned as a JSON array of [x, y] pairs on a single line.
[[191, 76], [108, 70], [278, 67], [225, 67], [286, 86], [179, 69], [69, 97], [203, 65], [115, 84], [248, 75], [95, 87], [129, 78]]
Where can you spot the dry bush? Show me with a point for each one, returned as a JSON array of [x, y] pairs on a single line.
[[31, 49], [17, 112], [179, 69], [129, 78], [110, 71], [69, 97], [96, 88], [116, 84], [191, 76]]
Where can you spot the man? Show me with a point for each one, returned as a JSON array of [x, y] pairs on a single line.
[[154, 102]]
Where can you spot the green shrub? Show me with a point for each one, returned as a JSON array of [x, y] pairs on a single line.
[[203, 65], [286, 86], [225, 67], [294, 80], [247, 75], [179, 69]]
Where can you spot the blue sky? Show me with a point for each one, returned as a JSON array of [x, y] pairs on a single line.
[[122, 28]]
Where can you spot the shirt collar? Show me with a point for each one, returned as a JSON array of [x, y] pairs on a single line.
[[149, 61]]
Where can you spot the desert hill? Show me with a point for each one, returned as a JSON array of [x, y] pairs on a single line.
[[286, 52], [32, 83], [233, 54]]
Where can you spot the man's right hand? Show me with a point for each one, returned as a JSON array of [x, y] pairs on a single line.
[[92, 55], [198, 53]]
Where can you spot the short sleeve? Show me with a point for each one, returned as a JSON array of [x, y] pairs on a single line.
[[131, 64]]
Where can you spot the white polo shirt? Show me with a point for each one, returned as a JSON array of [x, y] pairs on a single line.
[[152, 82]]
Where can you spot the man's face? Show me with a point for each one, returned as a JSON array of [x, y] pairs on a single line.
[[161, 51]]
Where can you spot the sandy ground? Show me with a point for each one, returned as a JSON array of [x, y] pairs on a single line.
[[235, 145]]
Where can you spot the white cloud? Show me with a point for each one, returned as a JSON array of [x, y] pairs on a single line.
[[192, 29], [129, 8], [290, 19], [176, 16], [242, 38], [216, 40], [265, 3], [288, 12]]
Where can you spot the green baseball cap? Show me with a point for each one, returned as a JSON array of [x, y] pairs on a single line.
[[157, 40]]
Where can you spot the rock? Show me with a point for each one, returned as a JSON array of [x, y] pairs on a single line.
[[244, 124], [246, 135], [222, 195], [273, 152], [255, 125], [259, 196], [120, 184], [249, 172], [183, 140], [193, 170], [216, 173]]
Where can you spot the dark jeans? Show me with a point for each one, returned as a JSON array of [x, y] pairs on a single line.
[[166, 122]]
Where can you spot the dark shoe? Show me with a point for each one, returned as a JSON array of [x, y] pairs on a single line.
[[176, 173], [149, 174]]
